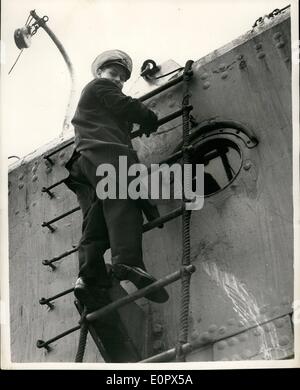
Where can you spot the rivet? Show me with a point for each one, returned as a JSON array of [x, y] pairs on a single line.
[[279, 323], [277, 35], [33, 204], [236, 357], [157, 329], [279, 45], [62, 155], [242, 64], [231, 321], [258, 46], [16, 212], [221, 345], [247, 354], [263, 310], [268, 328], [233, 341], [285, 300], [243, 337], [222, 67], [206, 84], [257, 332], [21, 185], [34, 169], [222, 330], [205, 336], [224, 75], [194, 335], [34, 178], [204, 76], [21, 177], [275, 310], [261, 55], [157, 345], [284, 340], [247, 165], [153, 104], [212, 328], [48, 170], [170, 96]]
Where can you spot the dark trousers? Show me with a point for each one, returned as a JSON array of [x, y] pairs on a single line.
[[114, 223]]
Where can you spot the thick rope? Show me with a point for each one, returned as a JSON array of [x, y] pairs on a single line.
[[186, 253], [82, 338]]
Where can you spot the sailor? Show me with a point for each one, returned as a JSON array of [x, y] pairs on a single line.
[[103, 121]]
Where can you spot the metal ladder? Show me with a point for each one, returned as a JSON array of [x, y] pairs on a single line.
[[89, 320]]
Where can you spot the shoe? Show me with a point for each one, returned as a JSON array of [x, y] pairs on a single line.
[[140, 279], [91, 295]]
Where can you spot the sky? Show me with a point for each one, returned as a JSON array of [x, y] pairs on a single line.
[[35, 94]]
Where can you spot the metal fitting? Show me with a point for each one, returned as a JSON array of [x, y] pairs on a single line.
[[44, 301], [43, 344]]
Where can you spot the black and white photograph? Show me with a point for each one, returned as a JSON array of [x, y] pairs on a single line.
[[149, 185]]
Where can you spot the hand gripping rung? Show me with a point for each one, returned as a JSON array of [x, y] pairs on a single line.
[[140, 293], [162, 121], [47, 189]]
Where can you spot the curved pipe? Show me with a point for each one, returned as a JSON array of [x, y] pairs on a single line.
[[42, 23]]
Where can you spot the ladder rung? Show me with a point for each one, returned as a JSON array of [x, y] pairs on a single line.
[[168, 355], [47, 156], [54, 259], [165, 218], [48, 224], [47, 189], [162, 121], [45, 301], [146, 227], [45, 344], [140, 293], [161, 88]]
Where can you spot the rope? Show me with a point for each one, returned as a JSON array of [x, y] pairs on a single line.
[[82, 337], [186, 253]]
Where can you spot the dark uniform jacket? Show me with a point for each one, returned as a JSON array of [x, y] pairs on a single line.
[[103, 122]]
